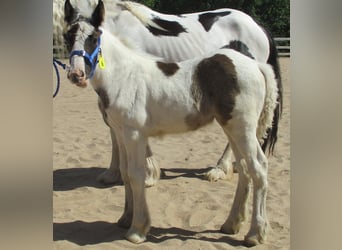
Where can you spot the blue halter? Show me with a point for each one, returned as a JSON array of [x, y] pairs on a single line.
[[92, 59]]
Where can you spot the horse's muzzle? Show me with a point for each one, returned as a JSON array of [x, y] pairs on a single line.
[[77, 77]]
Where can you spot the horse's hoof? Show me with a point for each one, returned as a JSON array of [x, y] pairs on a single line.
[[217, 173], [110, 177], [150, 182], [253, 240], [229, 228], [135, 237], [256, 236]]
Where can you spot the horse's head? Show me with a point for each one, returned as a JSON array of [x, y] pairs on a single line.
[[83, 41]]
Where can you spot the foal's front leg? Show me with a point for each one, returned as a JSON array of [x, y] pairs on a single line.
[[125, 220], [135, 143], [112, 174]]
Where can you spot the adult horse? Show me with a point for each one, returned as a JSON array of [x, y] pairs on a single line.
[[179, 37], [142, 96]]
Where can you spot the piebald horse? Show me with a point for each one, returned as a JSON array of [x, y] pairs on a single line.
[[142, 96], [179, 37]]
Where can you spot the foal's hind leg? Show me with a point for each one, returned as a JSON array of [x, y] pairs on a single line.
[[238, 211], [257, 168], [223, 168], [248, 147]]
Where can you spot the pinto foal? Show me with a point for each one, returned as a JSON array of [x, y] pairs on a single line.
[[178, 38], [141, 96]]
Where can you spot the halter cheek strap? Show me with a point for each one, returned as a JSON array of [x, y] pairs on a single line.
[[91, 59]]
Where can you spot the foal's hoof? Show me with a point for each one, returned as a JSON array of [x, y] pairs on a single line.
[[135, 237], [110, 177], [229, 228], [253, 240], [256, 236], [150, 182]]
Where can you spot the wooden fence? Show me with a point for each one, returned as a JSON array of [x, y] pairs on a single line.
[[60, 51], [283, 45]]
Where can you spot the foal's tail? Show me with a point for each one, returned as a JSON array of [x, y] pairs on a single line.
[[271, 138], [268, 120]]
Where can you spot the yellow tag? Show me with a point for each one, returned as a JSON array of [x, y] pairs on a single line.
[[102, 63]]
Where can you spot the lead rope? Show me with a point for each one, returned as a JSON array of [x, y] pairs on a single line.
[[65, 67]]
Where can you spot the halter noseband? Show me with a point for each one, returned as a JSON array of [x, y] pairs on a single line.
[[92, 59]]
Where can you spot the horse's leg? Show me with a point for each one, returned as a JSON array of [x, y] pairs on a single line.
[[223, 168], [258, 168], [152, 168], [125, 220], [238, 211], [247, 145], [112, 174], [136, 144]]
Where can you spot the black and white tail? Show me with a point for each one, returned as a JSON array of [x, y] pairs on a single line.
[[271, 138]]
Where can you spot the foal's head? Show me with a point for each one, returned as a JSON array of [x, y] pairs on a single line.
[[83, 41]]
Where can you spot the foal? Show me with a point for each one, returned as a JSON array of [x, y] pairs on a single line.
[[177, 38], [142, 96]]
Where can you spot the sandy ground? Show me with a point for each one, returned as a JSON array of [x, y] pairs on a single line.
[[186, 211]]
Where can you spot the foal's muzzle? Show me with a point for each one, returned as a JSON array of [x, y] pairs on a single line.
[[77, 77]]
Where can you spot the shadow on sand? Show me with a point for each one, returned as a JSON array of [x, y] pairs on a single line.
[[91, 233], [72, 178]]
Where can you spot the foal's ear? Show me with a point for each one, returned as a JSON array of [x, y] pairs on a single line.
[[98, 15], [69, 12]]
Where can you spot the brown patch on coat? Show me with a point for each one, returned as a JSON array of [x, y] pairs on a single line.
[[208, 19], [168, 69], [102, 93], [168, 28], [214, 89]]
